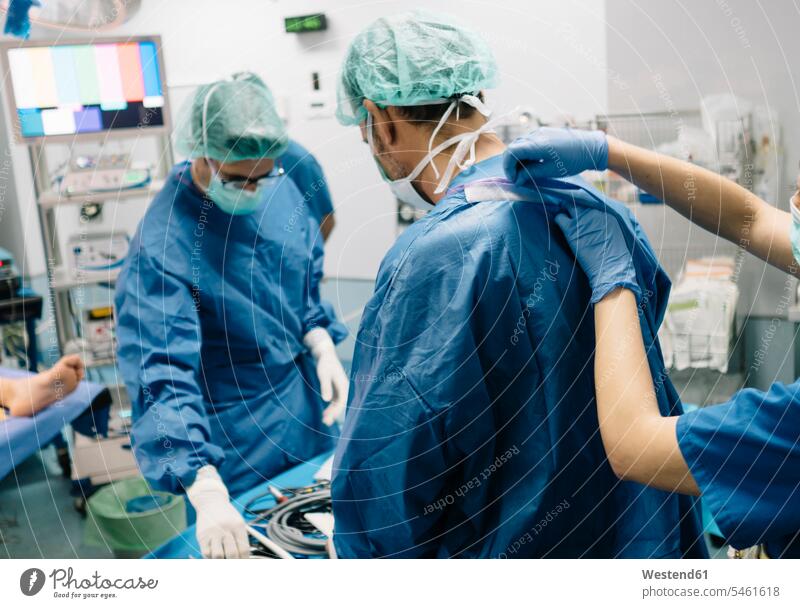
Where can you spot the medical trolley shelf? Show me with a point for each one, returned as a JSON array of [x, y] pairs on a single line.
[[60, 278], [63, 279], [55, 198], [99, 459]]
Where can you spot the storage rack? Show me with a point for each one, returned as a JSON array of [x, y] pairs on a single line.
[[60, 280], [650, 130], [103, 459]]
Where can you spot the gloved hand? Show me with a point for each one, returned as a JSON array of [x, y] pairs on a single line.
[[333, 382], [221, 531], [550, 152], [597, 240]]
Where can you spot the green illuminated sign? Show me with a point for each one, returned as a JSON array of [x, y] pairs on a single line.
[[306, 23]]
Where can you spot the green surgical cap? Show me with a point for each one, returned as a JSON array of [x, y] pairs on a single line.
[[410, 59], [241, 122]]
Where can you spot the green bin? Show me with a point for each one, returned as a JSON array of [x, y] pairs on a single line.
[[110, 524]]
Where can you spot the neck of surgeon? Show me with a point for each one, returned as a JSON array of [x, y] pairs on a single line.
[[486, 146], [402, 141]]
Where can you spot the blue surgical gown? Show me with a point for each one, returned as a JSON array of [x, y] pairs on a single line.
[[472, 427], [306, 173], [745, 456], [211, 313]]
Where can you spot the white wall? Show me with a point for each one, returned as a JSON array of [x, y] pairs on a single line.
[[551, 55]]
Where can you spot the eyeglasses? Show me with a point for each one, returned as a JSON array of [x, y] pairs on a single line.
[[243, 181]]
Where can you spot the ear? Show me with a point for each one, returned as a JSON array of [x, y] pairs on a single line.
[[381, 123]]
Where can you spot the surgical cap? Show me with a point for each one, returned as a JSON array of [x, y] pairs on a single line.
[[241, 122], [410, 59]]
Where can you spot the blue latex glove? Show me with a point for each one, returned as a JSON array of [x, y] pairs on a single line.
[[18, 22], [599, 245], [549, 152]]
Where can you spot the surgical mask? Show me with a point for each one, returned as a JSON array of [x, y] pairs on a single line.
[[794, 232], [403, 188], [231, 197]]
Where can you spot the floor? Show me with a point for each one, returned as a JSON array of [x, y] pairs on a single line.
[[37, 516]]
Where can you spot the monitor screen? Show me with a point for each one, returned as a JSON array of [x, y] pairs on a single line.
[[76, 89]]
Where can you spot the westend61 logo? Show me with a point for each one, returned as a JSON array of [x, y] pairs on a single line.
[[66, 585]]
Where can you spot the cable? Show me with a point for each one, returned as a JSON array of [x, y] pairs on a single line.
[[285, 525], [286, 492], [291, 530]]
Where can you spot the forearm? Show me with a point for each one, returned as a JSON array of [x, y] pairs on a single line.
[[709, 200], [640, 443], [171, 427]]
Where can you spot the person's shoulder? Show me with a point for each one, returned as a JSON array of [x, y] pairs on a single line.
[[170, 218], [450, 240], [177, 195], [296, 149], [463, 224], [782, 397], [297, 155]]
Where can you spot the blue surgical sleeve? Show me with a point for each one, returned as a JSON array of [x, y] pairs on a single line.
[[745, 456], [159, 337], [319, 313]]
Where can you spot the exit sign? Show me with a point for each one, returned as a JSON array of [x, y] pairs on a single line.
[[306, 23]]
